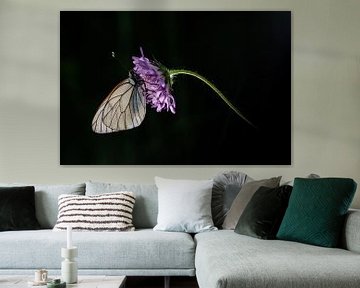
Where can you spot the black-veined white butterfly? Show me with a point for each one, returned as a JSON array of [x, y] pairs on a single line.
[[124, 108]]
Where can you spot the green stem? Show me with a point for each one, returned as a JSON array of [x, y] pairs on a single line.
[[175, 72]]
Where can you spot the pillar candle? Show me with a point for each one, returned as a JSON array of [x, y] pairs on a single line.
[[69, 237]]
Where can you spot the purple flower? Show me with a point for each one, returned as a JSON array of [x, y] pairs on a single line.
[[158, 91]]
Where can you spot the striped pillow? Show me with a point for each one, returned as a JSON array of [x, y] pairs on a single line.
[[105, 212]]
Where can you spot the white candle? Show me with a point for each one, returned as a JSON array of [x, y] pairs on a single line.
[[69, 237]]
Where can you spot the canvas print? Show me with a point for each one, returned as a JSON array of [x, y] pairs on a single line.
[[175, 88]]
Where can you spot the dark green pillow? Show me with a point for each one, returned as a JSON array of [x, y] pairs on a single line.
[[264, 213], [316, 211], [17, 208]]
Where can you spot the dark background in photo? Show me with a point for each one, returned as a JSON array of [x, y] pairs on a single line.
[[247, 55]]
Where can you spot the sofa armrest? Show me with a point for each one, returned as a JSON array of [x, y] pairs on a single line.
[[351, 233]]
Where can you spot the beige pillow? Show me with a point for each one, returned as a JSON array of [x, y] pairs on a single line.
[[243, 198]]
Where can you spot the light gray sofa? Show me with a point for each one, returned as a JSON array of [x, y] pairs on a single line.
[[218, 259], [226, 259], [143, 252]]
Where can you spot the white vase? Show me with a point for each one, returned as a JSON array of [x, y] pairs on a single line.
[[69, 270]]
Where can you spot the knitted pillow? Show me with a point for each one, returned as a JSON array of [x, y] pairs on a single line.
[[317, 210], [105, 212]]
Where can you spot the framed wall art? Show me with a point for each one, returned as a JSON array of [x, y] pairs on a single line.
[[175, 88]]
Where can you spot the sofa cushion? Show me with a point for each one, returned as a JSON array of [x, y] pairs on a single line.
[[316, 211], [17, 208], [184, 205], [146, 205], [46, 200], [243, 198], [138, 250], [225, 189], [263, 214], [105, 212], [225, 259]]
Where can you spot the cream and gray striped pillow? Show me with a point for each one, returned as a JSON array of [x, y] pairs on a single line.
[[105, 212]]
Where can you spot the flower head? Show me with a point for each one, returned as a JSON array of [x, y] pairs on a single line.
[[158, 90]]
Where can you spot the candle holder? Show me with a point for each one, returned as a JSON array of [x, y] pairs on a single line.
[[69, 271]]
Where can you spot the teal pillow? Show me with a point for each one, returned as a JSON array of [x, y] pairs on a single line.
[[316, 211]]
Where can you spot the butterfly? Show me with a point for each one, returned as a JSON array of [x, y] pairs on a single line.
[[124, 108]]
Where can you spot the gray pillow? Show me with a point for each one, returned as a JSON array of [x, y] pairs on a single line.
[[184, 205], [243, 198], [46, 200], [146, 204], [226, 187], [310, 176]]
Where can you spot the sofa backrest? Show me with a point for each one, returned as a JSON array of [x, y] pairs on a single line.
[[46, 200], [146, 203]]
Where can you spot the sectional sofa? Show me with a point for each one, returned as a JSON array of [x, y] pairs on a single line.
[[218, 259]]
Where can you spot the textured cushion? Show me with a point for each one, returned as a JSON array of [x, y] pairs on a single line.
[[46, 200], [263, 214], [141, 251], [243, 198], [316, 211], [184, 205], [226, 187], [17, 208], [146, 205], [225, 259], [106, 212]]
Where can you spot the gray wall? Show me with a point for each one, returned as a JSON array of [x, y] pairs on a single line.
[[326, 92]]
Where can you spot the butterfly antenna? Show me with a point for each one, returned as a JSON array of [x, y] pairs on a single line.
[[115, 57]]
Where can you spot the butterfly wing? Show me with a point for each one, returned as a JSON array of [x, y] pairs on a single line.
[[124, 108]]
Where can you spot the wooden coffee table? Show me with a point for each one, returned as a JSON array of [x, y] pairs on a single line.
[[84, 281]]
